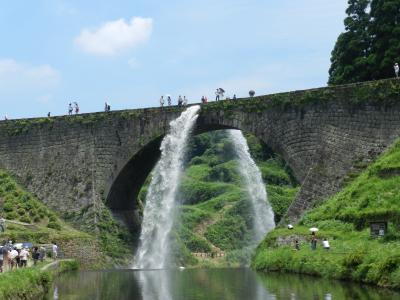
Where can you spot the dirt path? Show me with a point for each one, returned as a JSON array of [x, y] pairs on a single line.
[[202, 227]]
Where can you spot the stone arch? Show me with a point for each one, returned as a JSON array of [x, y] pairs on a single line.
[[132, 176], [124, 190]]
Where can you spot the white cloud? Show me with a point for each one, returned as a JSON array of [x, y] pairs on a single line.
[[19, 77], [115, 36]]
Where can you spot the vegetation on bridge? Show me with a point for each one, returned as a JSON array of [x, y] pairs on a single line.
[[381, 92]]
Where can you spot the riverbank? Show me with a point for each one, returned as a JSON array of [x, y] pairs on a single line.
[[353, 255], [372, 195], [33, 282], [28, 219]]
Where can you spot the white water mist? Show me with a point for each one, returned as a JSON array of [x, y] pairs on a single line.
[[158, 216], [263, 216]]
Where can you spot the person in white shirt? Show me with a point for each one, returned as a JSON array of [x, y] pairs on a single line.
[[396, 69], [55, 250], [325, 244], [24, 254], [12, 256], [162, 101]]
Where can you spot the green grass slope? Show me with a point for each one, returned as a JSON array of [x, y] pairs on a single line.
[[344, 221], [215, 212], [29, 220]]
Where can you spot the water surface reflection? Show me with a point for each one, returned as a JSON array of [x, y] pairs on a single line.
[[208, 284]]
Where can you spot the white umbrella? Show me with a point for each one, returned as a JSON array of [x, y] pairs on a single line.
[[313, 229], [18, 245]]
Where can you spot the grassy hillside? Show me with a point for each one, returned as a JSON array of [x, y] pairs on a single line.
[[215, 212], [344, 221], [32, 221]]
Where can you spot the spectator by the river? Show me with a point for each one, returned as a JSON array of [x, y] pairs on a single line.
[[169, 100], [70, 109], [325, 244], [48, 114], [2, 224], [313, 243], [185, 101], [5, 117], [12, 258], [42, 253], [234, 96], [180, 101], [35, 255], [24, 254], [55, 250], [396, 69], [107, 107], [297, 245], [18, 258], [1, 259]]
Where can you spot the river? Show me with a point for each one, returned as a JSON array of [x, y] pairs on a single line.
[[208, 284]]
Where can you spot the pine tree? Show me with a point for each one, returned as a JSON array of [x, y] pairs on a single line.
[[350, 55], [385, 37]]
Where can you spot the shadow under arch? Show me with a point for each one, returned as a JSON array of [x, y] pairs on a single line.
[[125, 188]]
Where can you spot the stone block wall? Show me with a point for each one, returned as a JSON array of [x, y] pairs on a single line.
[[76, 164]]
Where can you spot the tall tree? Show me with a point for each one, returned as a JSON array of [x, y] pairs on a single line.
[[385, 37], [350, 55]]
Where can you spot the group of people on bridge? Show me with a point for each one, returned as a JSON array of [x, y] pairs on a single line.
[[181, 101]]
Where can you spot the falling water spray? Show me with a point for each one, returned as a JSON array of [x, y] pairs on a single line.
[[158, 216]]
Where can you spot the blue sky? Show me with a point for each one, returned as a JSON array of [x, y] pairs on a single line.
[[129, 53]]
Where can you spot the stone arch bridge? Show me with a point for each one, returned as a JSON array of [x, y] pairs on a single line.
[[76, 164]]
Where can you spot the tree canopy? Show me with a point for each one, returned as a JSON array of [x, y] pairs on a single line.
[[370, 45]]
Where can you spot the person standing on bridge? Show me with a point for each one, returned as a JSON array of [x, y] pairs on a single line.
[[396, 69], [162, 101], [217, 95], [76, 108]]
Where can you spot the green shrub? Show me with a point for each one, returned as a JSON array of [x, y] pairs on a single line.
[[229, 233], [54, 225], [12, 215], [21, 211], [8, 207], [25, 219]]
